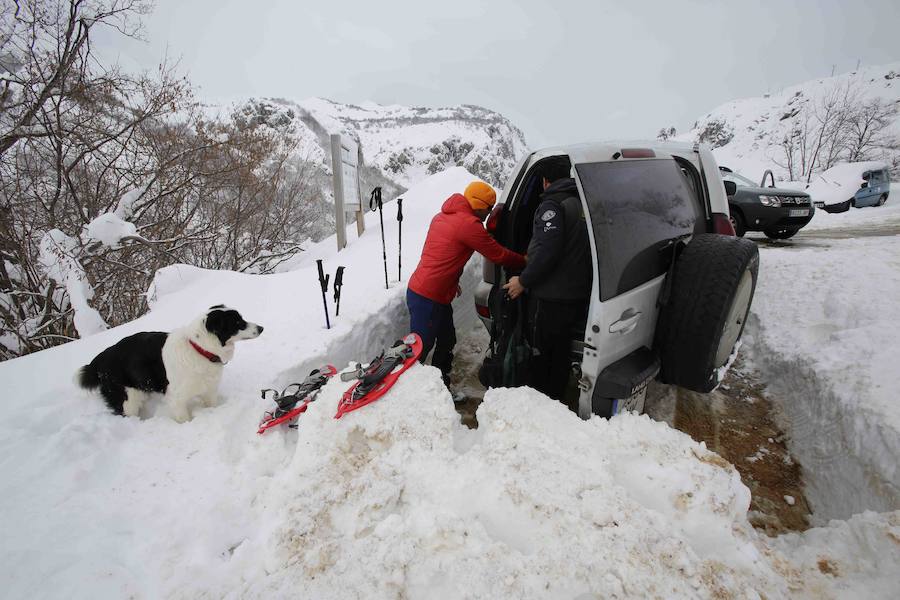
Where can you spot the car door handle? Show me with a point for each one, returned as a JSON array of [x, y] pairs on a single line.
[[627, 323]]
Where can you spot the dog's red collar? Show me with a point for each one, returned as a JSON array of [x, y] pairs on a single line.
[[209, 355]]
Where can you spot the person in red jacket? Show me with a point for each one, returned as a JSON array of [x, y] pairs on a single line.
[[454, 234]]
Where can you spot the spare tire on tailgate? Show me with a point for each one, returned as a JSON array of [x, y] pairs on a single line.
[[712, 286]]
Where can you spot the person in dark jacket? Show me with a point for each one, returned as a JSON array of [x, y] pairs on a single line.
[[454, 234], [557, 279]]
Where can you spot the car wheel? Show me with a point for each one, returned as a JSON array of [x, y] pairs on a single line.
[[737, 221], [712, 287], [882, 199], [780, 234]]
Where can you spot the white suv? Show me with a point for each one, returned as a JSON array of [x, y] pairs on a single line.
[[672, 285]]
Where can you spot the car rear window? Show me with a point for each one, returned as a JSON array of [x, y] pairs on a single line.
[[636, 208]]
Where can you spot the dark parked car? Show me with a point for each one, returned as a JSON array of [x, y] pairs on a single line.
[[779, 213]]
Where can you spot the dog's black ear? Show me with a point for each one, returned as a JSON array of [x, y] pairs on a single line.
[[217, 306], [224, 324], [216, 325]]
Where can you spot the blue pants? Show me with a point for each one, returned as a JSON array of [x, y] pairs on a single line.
[[434, 324]]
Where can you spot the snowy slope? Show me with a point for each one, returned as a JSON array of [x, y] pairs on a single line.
[[395, 500], [754, 127]]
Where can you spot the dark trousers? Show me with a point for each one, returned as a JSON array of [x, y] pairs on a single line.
[[434, 324], [553, 325]]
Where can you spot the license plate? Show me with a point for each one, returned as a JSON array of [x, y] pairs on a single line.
[[799, 212]]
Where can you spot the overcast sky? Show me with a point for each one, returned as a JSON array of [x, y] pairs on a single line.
[[562, 71]]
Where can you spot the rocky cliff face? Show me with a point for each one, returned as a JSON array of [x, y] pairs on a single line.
[[400, 144]]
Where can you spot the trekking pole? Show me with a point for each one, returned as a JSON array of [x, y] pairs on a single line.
[[337, 285], [375, 203], [399, 238], [323, 283]]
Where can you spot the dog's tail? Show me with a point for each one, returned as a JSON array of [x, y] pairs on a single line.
[[87, 377]]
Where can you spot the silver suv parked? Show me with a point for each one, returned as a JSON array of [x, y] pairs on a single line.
[[672, 285]]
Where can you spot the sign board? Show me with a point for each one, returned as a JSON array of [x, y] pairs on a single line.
[[345, 174], [350, 176]]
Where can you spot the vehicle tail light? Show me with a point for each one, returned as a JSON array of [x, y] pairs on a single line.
[[638, 153], [722, 224], [483, 311], [493, 220]]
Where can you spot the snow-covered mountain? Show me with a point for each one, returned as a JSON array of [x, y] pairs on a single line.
[[400, 145], [749, 135]]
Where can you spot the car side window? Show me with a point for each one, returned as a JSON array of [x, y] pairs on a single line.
[[637, 208], [692, 180], [875, 177]]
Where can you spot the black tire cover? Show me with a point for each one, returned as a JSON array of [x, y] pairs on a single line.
[[704, 286]]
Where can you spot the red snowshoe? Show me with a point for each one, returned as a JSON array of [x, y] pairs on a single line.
[[291, 404], [380, 375]]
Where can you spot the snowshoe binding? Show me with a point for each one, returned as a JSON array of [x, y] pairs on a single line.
[[290, 403], [376, 379]]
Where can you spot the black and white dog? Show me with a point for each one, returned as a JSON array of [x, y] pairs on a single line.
[[185, 365]]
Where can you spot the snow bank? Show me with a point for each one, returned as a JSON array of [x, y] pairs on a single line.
[[841, 182], [824, 331], [401, 500], [396, 499]]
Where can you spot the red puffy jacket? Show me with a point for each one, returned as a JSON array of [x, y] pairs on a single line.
[[455, 233]]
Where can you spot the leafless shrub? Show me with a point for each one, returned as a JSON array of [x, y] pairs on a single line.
[[842, 125], [79, 140]]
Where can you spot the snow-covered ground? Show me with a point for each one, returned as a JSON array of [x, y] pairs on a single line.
[[398, 499], [825, 331]]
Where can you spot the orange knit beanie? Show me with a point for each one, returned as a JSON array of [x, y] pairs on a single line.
[[480, 195]]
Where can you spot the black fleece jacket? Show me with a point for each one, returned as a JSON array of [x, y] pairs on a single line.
[[559, 254]]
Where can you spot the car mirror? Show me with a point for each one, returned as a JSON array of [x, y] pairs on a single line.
[[865, 184], [730, 188]]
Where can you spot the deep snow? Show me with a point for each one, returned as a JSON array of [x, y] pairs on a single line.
[[825, 330], [395, 500]]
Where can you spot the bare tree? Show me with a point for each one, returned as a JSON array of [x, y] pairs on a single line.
[[840, 126], [81, 142], [50, 43], [868, 129]]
